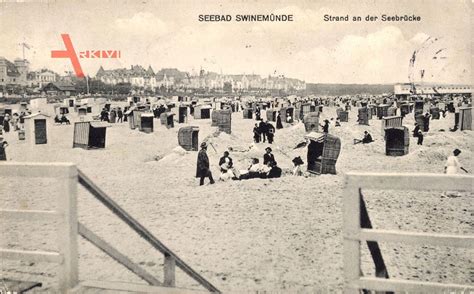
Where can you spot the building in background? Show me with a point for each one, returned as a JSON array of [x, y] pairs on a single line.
[[42, 77], [168, 78], [59, 88], [14, 73], [137, 76], [403, 91]]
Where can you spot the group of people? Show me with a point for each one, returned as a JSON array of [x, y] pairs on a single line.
[[157, 111], [269, 168], [263, 131], [288, 119], [114, 116], [62, 119], [16, 120]]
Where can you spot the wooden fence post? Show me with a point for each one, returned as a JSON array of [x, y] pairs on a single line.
[[68, 272], [169, 271], [351, 216]]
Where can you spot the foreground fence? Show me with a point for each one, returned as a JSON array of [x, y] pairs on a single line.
[[355, 232], [66, 214], [69, 227]]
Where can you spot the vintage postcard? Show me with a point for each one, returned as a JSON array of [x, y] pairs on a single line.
[[249, 146]]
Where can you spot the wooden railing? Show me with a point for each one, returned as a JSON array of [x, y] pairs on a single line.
[[171, 259], [354, 234], [66, 214], [69, 228]]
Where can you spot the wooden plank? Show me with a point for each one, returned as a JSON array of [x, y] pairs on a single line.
[[117, 256], [29, 215], [423, 182], [351, 217], [141, 230], [34, 256], [37, 170], [68, 272], [463, 241], [379, 284], [16, 286], [169, 271], [134, 288]]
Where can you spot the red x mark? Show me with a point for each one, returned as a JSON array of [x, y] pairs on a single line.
[[69, 53]]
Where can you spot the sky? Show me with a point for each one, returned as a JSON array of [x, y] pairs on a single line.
[[169, 34]]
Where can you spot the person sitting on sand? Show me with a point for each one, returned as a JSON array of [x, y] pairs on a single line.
[[338, 122], [268, 156], [366, 140], [61, 120], [65, 120], [225, 160], [253, 171], [255, 167], [298, 162], [226, 165], [274, 172]]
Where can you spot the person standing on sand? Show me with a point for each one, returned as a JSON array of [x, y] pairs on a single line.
[[202, 170], [3, 145], [270, 132], [119, 114], [6, 123], [416, 130], [420, 137], [256, 134], [426, 122], [263, 130], [453, 165], [279, 125], [104, 115], [257, 113], [325, 126]]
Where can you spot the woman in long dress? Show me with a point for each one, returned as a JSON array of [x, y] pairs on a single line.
[[279, 125], [3, 145], [453, 166]]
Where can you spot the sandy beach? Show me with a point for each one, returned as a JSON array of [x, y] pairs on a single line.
[[253, 236]]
